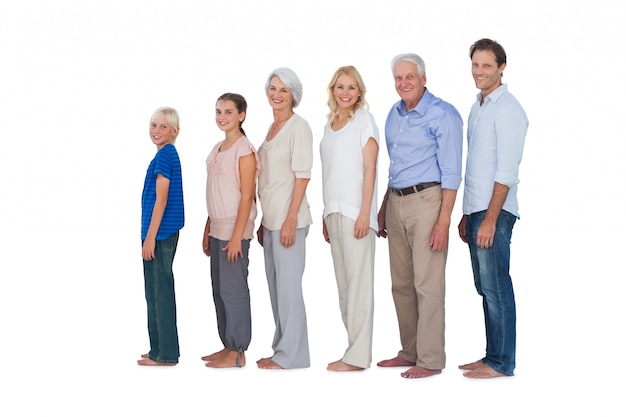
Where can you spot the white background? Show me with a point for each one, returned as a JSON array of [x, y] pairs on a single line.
[[78, 83]]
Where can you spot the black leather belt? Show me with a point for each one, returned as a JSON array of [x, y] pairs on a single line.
[[414, 189]]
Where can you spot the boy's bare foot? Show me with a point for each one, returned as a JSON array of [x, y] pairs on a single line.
[[472, 366], [397, 361], [268, 363], [150, 362], [483, 372], [215, 356], [229, 359], [419, 372], [341, 366]]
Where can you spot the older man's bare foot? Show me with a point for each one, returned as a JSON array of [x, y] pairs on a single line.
[[230, 359], [419, 372], [268, 363], [150, 362], [214, 356], [397, 361], [472, 366], [341, 366], [483, 372]]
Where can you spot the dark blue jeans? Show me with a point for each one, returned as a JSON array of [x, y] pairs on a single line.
[[493, 283], [161, 300]]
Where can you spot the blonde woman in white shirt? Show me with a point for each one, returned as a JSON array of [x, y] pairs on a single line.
[[349, 153]]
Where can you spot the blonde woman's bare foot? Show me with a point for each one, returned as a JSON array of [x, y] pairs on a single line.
[[471, 366], [215, 356], [150, 362], [230, 359], [419, 372], [268, 363], [483, 372], [397, 361], [341, 366]]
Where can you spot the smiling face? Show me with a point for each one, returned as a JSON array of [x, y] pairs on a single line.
[[227, 116], [161, 132], [279, 95], [410, 85], [487, 75], [346, 92]]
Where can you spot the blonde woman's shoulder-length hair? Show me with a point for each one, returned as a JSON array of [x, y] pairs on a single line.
[[332, 103]]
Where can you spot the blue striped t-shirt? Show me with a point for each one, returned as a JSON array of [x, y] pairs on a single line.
[[166, 163]]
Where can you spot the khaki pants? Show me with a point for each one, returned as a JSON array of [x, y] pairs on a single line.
[[417, 276]]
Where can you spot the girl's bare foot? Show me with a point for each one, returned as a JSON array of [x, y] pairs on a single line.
[[215, 356], [150, 362], [229, 359], [472, 366], [341, 366], [483, 372], [268, 363]]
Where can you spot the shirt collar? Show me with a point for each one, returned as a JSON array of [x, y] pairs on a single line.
[[495, 94], [421, 107]]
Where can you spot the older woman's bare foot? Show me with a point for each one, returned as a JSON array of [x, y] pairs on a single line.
[[150, 362], [214, 356], [397, 361], [419, 372], [268, 363], [483, 372], [472, 366], [230, 359], [341, 366]]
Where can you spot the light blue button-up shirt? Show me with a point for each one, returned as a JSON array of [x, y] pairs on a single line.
[[424, 144], [496, 133]]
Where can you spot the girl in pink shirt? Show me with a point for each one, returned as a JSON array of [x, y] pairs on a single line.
[[232, 169]]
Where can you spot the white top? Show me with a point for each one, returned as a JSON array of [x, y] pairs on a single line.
[[287, 156], [342, 167]]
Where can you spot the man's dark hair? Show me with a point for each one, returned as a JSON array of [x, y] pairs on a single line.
[[489, 45]]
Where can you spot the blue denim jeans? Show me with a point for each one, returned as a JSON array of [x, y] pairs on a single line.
[[161, 300], [493, 283]]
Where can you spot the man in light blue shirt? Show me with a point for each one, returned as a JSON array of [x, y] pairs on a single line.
[[496, 133], [424, 136]]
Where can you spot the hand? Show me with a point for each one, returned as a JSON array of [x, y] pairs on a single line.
[[206, 247], [147, 249], [259, 235], [439, 236], [486, 232], [288, 233], [463, 228], [362, 226], [325, 232], [233, 247], [382, 226]]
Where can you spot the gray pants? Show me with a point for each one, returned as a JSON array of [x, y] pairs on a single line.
[[231, 295], [284, 268]]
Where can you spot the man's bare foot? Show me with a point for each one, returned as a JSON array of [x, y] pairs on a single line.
[[341, 366], [419, 372], [145, 356], [150, 362], [268, 363], [472, 366], [230, 359], [483, 372], [397, 361], [215, 356]]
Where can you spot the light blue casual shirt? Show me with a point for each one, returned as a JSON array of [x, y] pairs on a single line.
[[496, 133], [424, 144]]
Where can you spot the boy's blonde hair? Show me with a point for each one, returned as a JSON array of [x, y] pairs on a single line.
[[171, 115]]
